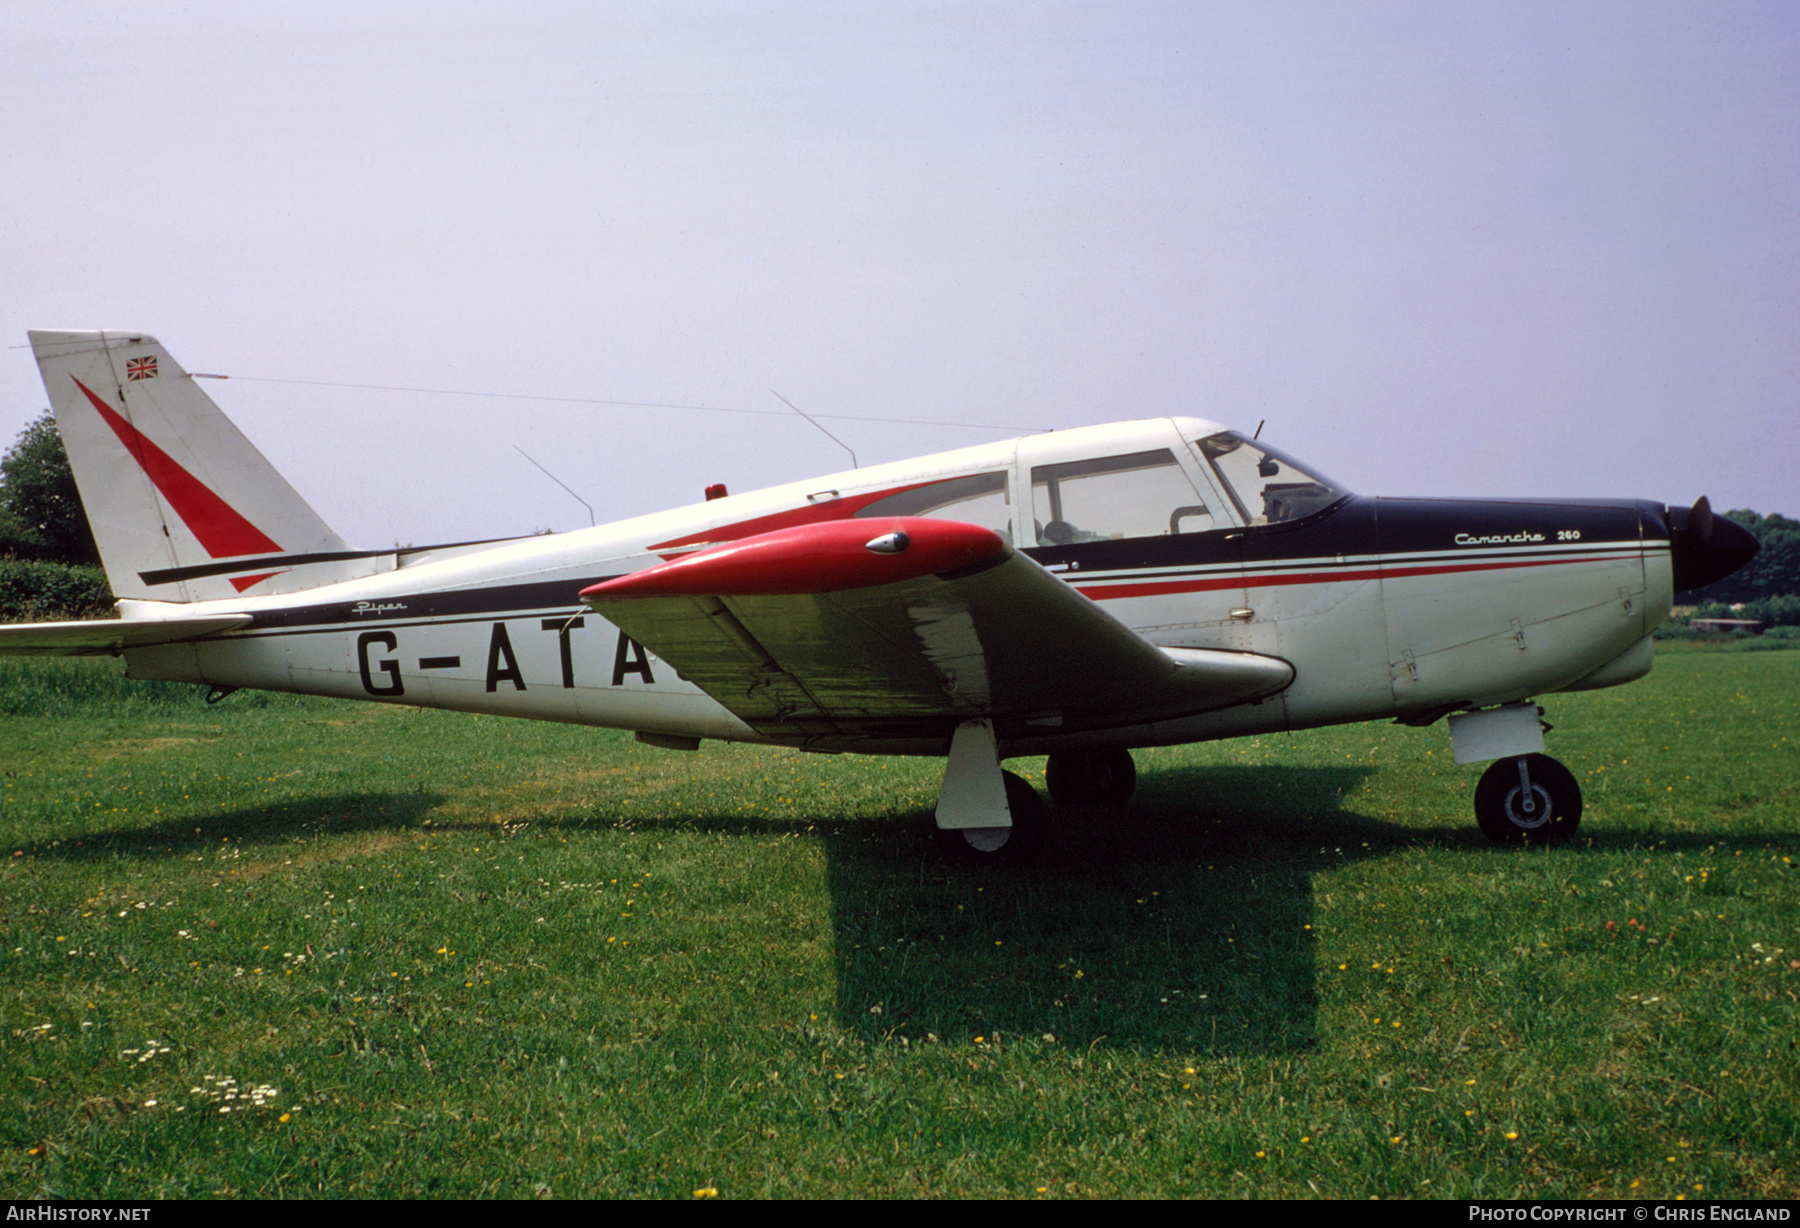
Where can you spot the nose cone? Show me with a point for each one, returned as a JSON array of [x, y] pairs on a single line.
[[1706, 547]]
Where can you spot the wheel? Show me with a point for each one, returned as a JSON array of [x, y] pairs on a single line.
[[1012, 846], [1104, 777], [1509, 812]]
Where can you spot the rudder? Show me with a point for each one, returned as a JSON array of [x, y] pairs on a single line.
[[183, 506]]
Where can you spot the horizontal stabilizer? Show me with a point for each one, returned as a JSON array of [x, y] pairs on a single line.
[[108, 637]]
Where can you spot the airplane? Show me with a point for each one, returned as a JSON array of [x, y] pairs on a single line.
[[1077, 594]]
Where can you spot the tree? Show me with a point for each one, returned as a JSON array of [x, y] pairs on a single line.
[[40, 510]]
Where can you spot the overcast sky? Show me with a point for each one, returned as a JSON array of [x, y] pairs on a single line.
[[1450, 249]]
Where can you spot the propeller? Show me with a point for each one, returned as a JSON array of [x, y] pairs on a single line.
[[1705, 547]]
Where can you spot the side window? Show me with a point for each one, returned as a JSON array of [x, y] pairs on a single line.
[[980, 498], [1138, 494]]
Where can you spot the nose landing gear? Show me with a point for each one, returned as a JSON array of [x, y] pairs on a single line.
[[1528, 799]]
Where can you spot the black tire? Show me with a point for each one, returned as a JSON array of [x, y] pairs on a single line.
[[1008, 846], [1549, 816], [1104, 777]]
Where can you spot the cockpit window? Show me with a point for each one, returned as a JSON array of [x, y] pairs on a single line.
[[979, 499], [1137, 494], [1269, 487]]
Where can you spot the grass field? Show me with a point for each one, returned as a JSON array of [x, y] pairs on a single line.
[[291, 947]]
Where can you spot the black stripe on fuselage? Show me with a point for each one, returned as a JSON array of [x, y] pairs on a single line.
[[506, 600], [1360, 526]]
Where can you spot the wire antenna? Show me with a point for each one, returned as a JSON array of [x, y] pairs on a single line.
[[561, 483], [521, 396], [834, 439]]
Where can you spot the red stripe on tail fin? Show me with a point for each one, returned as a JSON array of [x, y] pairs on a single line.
[[222, 532]]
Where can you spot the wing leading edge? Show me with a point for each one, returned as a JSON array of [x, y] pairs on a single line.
[[904, 627]]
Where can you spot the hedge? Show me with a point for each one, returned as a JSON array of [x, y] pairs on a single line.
[[31, 591]]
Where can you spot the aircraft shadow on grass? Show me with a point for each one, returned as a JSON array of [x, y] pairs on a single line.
[[253, 829], [1180, 924]]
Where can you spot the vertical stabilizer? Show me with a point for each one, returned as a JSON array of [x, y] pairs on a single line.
[[184, 508]]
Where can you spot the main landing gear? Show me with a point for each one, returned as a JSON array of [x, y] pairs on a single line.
[[1019, 842], [989, 817], [984, 815], [1530, 799], [1103, 777]]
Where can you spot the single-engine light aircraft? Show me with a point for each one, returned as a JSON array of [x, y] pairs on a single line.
[[1074, 594]]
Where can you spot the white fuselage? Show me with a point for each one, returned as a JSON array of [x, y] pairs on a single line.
[[1383, 607]]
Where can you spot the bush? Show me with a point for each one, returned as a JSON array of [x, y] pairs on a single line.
[[1783, 611], [1674, 628], [32, 591]]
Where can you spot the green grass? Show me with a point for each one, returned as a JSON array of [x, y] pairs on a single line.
[[468, 956]]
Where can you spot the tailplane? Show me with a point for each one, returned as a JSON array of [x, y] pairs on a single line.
[[184, 508]]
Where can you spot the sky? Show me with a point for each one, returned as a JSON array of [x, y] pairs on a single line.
[[1461, 249]]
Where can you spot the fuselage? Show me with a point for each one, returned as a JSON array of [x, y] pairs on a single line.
[[1191, 537]]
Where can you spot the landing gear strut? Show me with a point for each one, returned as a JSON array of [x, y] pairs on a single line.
[[1529, 799], [1103, 777]]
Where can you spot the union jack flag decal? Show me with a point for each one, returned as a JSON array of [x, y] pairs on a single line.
[[140, 368]]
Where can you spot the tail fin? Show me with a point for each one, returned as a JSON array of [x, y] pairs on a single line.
[[184, 508]]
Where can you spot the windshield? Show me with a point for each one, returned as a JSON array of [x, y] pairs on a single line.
[[1268, 487]]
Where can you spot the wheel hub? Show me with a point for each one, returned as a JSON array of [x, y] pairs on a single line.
[[987, 839], [1528, 809]]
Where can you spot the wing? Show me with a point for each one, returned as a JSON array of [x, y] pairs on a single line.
[[108, 636], [903, 627]]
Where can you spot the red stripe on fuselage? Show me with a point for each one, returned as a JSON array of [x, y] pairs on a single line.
[[1102, 592], [221, 531]]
